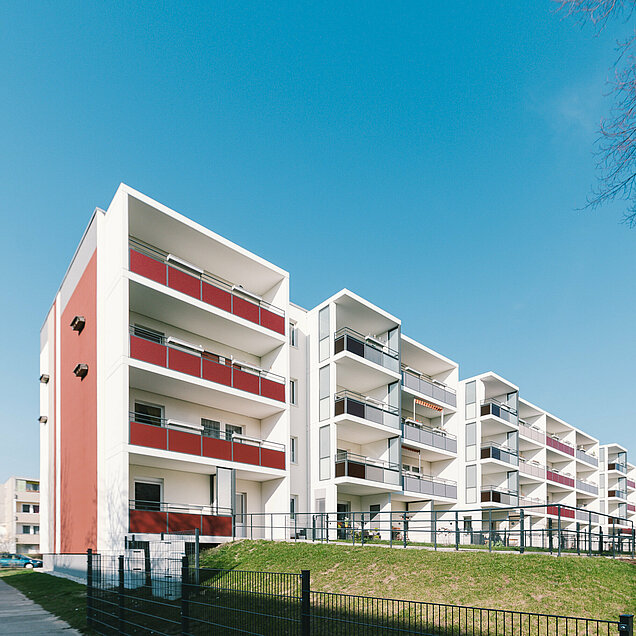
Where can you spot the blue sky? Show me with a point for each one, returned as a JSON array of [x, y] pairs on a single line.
[[429, 156]]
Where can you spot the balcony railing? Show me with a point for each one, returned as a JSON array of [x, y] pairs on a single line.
[[557, 444], [531, 468], [620, 494], [499, 409], [557, 511], [428, 485], [584, 515], [492, 450], [631, 507], [531, 501], [372, 410], [531, 431], [151, 263], [586, 457], [587, 486], [346, 339], [425, 385], [194, 361], [558, 478], [352, 465], [631, 484], [153, 432], [622, 468], [437, 438], [158, 516], [499, 495]]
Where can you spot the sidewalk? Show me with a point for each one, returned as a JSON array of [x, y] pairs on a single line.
[[20, 615]]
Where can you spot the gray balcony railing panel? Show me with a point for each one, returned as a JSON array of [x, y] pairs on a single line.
[[582, 515], [354, 404], [585, 457], [429, 388], [591, 488], [430, 486], [495, 452], [352, 465], [429, 437], [496, 408], [349, 340], [532, 469], [532, 433]]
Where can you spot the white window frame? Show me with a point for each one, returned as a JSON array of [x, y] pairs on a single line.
[[149, 480], [293, 450], [293, 334], [293, 392]]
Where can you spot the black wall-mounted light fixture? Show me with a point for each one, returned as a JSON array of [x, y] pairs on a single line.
[[44, 378], [81, 370], [43, 419], [78, 323]]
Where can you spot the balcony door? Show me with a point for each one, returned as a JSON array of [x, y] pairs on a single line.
[[148, 495], [240, 508]]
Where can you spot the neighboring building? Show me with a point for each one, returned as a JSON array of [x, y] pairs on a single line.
[[20, 516], [179, 383]]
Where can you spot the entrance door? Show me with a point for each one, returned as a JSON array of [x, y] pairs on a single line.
[[240, 517]]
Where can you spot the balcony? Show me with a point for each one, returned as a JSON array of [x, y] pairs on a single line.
[[557, 511], [492, 450], [500, 410], [414, 431], [587, 486], [631, 507], [557, 444], [558, 478], [531, 468], [619, 494], [366, 347], [360, 467], [162, 434], [621, 468], [531, 432], [154, 517], [499, 495], [428, 485], [586, 457], [424, 384], [192, 360], [152, 263], [357, 405], [586, 515], [531, 501], [631, 484]]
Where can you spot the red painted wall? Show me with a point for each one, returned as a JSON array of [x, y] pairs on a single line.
[[78, 419]]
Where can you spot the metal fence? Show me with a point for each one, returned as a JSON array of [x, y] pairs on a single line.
[[203, 601]]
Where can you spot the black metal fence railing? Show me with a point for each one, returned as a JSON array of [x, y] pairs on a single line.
[[220, 601]]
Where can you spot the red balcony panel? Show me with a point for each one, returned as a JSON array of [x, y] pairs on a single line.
[[148, 351], [245, 453], [245, 309], [559, 479], [185, 283], [181, 521], [554, 443], [565, 512], [184, 362], [147, 521], [217, 448], [245, 381], [631, 507], [272, 458], [272, 321], [631, 484], [215, 296], [216, 372], [148, 267], [216, 526], [274, 390], [148, 435], [182, 442]]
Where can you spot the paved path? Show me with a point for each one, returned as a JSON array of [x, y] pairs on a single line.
[[20, 615]]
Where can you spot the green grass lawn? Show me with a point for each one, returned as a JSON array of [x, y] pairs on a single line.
[[66, 599], [576, 586]]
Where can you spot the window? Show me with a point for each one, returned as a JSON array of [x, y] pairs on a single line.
[[148, 413], [36, 529], [293, 445], [323, 453], [323, 393], [293, 334], [35, 508], [32, 486], [293, 506], [374, 511], [26, 529], [471, 441], [471, 397], [211, 428], [231, 429], [26, 508], [471, 484], [323, 334], [293, 392], [149, 334], [148, 495]]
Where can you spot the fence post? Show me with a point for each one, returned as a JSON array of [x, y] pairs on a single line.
[[522, 534], [489, 529], [89, 587], [185, 593], [626, 624], [305, 603], [362, 528], [633, 540], [559, 529], [196, 556], [456, 530], [120, 595], [435, 529], [404, 529], [600, 540], [578, 538], [613, 538], [589, 534]]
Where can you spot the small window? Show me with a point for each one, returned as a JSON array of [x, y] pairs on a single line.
[[148, 413], [293, 334], [293, 506], [36, 508], [293, 392], [231, 429], [147, 495], [26, 508], [36, 529], [211, 428], [374, 511], [293, 448], [26, 529], [149, 334]]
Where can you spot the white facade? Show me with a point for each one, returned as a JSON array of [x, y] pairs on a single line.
[[20, 516], [207, 392]]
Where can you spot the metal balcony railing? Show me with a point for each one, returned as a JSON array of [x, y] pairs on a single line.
[[160, 516], [492, 450], [429, 485], [586, 457], [424, 384], [491, 406], [499, 495], [366, 408], [616, 466], [584, 515], [587, 486], [366, 347], [353, 465], [531, 501], [415, 431], [559, 478], [532, 432], [620, 494], [559, 445], [532, 468]]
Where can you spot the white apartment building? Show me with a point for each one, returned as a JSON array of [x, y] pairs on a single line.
[[20, 516], [181, 389]]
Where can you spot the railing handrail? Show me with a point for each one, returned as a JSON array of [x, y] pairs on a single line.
[[506, 449], [409, 421], [559, 472], [378, 404], [164, 506], [500, 489], [585, 481], [502, 405], [423, 376], [531, 462], [344, 455], [248, 367], [431, 478], [358, 336], [223, 435], [160, 255], [534, 427], [558, 439]]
